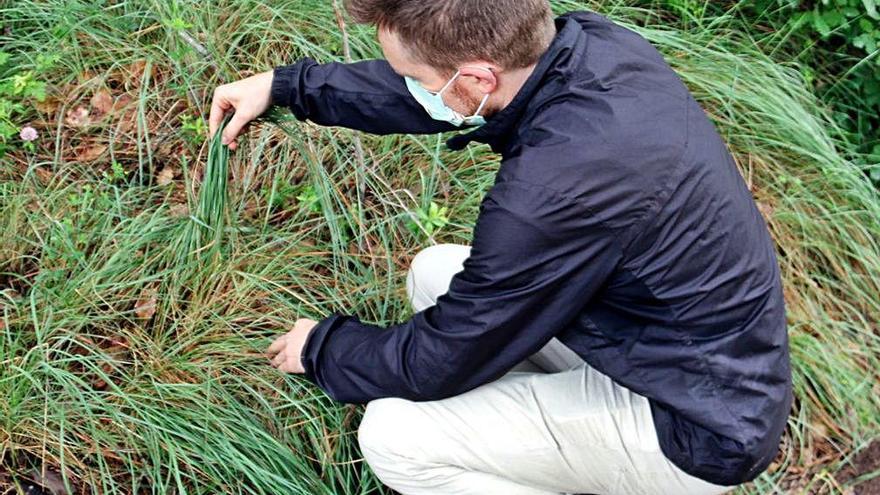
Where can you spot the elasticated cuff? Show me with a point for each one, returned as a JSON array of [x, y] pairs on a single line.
[[282, 84], [315, 341]]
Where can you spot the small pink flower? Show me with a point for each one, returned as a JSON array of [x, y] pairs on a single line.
[[28, 133]]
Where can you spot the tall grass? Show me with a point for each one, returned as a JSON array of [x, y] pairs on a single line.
[[132, 334], [203, 237]]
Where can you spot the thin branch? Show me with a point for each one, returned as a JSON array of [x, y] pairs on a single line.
[[358, 145]]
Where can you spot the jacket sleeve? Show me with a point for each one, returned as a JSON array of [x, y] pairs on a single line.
[[366, 95], [536, 259]]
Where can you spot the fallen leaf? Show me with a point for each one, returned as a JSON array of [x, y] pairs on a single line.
[[122, 101], [136, 72], [166, 175], [128, 117], [43, 175], [48, 106], [77, 117], [145, 307], [51, 480], [86, 76], [90, 152], [179, 210], [102, 102]]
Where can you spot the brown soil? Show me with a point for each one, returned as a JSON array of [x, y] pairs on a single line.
[[865, 462]]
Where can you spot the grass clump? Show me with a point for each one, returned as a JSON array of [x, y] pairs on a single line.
[[133, 315]]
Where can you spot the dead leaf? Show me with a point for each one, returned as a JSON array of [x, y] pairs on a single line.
[[102, 102], [122, 101], [179, 210], [145, 307], [100, 383], [43, 175], [51, 480], [86, 76], [77, 117], [90, 152], [166, 175], [136, 72], [48, 106], [128, 117]]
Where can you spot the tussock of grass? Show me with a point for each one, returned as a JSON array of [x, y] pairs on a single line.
[[132, 333]]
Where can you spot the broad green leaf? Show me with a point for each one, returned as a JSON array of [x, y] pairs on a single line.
[[871, 7]]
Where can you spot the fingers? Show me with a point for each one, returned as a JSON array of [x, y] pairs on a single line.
[[282, 355], [279, 359], [248, 98], [219, 106], [278, 344], [233, 128], [290, 366], [287, 363]]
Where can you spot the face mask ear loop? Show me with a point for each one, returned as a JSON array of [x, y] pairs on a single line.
[[486, 97], [449, 82], [482, 104]]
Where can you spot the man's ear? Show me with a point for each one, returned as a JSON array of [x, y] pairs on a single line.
[[484, 74]]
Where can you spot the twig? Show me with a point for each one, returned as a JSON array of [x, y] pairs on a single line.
[[200, 48], [195, 44], [358, 145]]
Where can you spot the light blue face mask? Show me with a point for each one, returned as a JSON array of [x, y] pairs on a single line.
[[437, 109]]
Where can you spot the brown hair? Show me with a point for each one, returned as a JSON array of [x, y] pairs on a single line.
[[445, 33]]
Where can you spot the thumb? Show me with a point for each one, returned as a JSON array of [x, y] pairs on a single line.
[[233, 128]]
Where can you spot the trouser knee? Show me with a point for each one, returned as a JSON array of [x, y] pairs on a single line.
[[388, 438], [431, 271]]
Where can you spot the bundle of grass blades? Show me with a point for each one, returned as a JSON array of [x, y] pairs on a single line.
[[204, 234]]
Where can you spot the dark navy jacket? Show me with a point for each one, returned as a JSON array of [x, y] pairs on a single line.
[[618, 222]]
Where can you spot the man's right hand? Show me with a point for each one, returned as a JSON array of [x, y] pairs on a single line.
[[248, 98]]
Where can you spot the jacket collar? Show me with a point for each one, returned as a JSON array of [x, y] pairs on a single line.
[[500, 127]]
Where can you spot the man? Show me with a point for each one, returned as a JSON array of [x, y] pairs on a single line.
[[617, 324]]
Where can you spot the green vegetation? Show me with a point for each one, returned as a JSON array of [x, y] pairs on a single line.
[[144, 269], [836, 44], [841, 40], [17, 89]]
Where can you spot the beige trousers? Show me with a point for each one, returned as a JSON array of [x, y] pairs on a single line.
[[551, 425]]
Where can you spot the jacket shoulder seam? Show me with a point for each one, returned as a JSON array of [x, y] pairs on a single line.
[[661, 196]]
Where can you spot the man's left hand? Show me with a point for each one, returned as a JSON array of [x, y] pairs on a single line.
[[285, 351]]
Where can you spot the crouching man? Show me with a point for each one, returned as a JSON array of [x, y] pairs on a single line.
[[617, 324]]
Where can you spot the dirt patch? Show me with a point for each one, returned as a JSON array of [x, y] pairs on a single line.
[[865, 462]]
